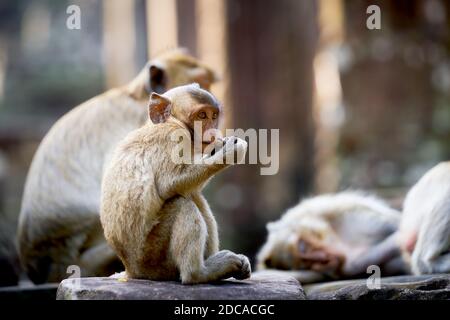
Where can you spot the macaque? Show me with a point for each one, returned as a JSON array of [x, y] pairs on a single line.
[[152, 210], [424, 232], [59, 222], [334, 237]]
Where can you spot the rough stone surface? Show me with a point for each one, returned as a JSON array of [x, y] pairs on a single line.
[[262, 285], [426, 287]]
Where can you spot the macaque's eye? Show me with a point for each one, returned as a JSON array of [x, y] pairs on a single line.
[[302, 246], [202, 115], [214, 115]]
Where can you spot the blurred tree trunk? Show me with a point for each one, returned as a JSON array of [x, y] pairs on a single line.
[[162, 26], [388, 138], [328, 104], [119, 38], [212, 48], [187, 25], [271, 47]]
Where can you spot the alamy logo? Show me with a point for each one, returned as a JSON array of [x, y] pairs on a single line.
[[374, 281], [373, 22], [73, 21], [222, 151], [75, 272]]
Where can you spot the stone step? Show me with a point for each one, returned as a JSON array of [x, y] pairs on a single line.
[[33, 292], [261, 286], [425, 287]]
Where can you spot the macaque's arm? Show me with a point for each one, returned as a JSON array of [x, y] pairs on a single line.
[[212, 243], [432, 251], [191, 176], [376, 255]]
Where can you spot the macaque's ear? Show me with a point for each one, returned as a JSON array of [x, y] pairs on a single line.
[[159, 108], [158, 78]]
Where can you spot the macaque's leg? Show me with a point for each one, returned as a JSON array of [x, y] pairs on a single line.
[[441, 264], [49, 260], [42, 269], [99, 261], [395, 266], [212, 242], [432, 251], [53, 266], [187, 246], [376, 255]]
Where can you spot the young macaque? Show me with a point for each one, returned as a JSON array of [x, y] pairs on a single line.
[[59, 221], [152, 210], [424, 232], [332, 237]]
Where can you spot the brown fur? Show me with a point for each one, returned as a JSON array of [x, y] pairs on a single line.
[[59, 222], [152, 209]]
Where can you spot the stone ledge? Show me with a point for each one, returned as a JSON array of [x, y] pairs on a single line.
[[261, 286], [32, 292], [426, 287]]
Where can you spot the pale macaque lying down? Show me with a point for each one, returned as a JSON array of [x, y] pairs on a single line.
[[424, 232], [334, 237]]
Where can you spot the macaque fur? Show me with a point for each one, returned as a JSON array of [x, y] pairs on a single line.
[[152, 210], [59, 222], [333, 237], [424, 231]]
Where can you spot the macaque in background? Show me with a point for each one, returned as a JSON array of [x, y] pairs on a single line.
[[332, 237], [152, 210], [59, 222], [425, 225]]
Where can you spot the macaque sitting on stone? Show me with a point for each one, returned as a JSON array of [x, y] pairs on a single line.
[[152, 209], [59, 222]]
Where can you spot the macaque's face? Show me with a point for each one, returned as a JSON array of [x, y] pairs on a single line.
[[311, 254], [208, 117], [304, 253], [201, 75], [196, 108], [177, 68], [190, 72]]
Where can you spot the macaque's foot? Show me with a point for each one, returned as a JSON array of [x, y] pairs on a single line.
[[226, 264], [246, 269], [121, 276]]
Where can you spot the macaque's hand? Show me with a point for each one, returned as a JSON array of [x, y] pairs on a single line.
[[233, 151]]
